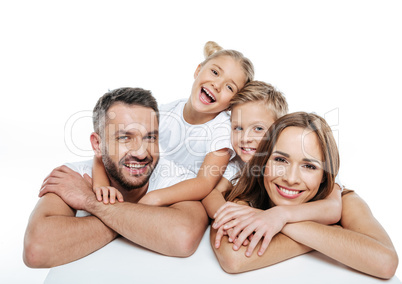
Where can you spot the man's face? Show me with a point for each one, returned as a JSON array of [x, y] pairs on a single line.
[[130, 145]]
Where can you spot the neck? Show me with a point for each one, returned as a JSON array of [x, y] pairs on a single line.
[[192, 116]]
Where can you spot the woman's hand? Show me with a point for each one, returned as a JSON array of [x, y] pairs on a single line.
[[251, 223]]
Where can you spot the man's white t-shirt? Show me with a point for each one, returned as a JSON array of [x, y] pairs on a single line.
[[165, 174]]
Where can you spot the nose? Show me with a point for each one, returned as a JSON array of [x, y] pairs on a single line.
[[217, 84], [138, 149], [292, 175], [246, 138]]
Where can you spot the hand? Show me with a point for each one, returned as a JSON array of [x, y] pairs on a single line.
[[108, 193], [74, 189], [222, 232], [262, 225]]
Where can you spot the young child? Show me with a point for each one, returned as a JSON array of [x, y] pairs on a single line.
[[195, 132], [254, 110]]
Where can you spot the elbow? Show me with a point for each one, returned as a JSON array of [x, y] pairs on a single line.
[[34, 255], [388, 265], [186, 242], [230, 264]]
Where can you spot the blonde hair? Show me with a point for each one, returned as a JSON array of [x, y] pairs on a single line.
[[258, 91], [250, 183], [213, 50]]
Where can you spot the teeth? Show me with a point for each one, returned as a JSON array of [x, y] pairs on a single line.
[[289, 192], [209, 95], [248, 149], [135, 166]]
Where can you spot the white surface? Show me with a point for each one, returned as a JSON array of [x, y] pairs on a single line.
[[340, 59], [122, 262]]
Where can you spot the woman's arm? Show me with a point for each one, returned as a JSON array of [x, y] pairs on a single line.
[[193, 189], [360, 243], [215, 199], [280, 249]]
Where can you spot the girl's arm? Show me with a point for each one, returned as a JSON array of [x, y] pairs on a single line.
[[360, 243], [196, 188], [99, 176], [215, 199]]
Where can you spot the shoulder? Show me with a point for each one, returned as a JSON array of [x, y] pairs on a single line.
[[172, 105], [82, 167]]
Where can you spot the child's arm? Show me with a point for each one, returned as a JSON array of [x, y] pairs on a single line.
[[215, 199], [99, 176], [196, 188], [270, 222]]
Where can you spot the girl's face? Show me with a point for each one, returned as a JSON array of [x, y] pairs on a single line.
[[294, 171], [215, 84], [249, 123]]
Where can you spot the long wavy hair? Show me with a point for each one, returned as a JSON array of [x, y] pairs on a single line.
[[249, 184]]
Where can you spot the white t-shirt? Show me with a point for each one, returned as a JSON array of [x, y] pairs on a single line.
[[166, 174], [187, 144]]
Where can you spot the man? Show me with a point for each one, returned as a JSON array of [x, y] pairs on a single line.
[[126, 139]]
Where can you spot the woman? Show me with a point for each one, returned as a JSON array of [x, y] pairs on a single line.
[[297, 163]]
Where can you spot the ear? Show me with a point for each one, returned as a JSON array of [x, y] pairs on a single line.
[[197, 71], [96, 143]]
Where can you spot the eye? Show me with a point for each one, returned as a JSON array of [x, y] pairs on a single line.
[[310, 167], [237, 128], [230, 88], [150, 138], [280, 159], [123, 138], [214, 72], [259, 128]]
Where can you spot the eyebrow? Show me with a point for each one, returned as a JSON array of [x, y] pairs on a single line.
[[305, 159], [220, 69], [122, 131]]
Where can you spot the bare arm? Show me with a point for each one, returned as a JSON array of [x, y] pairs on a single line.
[[280, 249], [54, 236], [99, 176], [360, 243], [174, 231], [193, 189], [215, 199]]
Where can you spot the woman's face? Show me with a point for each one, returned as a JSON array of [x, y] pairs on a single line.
[[294, 171]]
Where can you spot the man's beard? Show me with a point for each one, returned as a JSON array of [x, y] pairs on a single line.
[[115, 173]]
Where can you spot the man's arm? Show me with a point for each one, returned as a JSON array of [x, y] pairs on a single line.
[[175, 231], [54, 236]]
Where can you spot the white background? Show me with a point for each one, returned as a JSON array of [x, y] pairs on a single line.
[[340, 59]]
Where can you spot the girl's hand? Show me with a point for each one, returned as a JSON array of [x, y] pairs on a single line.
[[231, 214], [108, 194]]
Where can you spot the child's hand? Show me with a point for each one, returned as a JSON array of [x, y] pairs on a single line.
[[262, 225], [108, 194]]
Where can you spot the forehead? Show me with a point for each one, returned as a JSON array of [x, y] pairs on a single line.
[[131, 117], [251, 113], [300, 142], [231, 68]]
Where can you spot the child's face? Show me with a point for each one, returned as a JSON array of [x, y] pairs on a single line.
[[216, 82], [249, 123], [294, 170]]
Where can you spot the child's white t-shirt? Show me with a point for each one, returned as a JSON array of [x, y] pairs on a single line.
[[187, 144]]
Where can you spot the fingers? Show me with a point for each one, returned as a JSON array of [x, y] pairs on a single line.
[[108, 195], [219, 235]]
